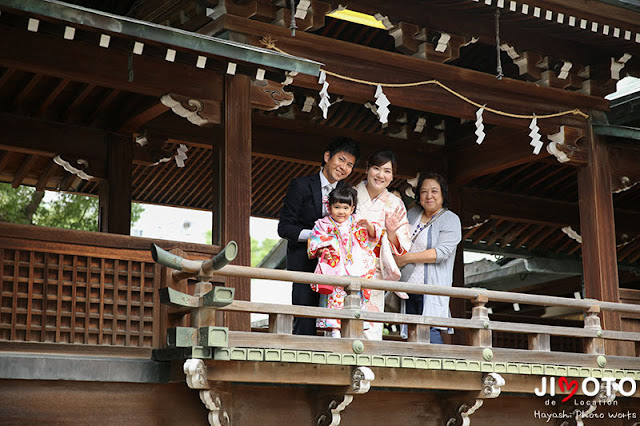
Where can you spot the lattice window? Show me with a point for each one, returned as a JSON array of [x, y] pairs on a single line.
[[66, 298]]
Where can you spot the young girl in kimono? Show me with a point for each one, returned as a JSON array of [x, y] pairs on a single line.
[[343, 244]]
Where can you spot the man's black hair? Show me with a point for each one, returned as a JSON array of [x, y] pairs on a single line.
[[344, 144]]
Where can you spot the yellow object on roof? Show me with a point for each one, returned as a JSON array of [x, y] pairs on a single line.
[[356, 17]]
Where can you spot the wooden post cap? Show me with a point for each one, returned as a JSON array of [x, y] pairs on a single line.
[[481, 298], [593, 309]]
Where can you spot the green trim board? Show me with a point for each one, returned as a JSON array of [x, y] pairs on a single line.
[[160, 34], [390, 361]]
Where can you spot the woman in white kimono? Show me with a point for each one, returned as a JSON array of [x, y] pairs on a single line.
[[377, 204]]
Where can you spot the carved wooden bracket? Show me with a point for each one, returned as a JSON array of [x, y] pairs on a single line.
[[309, 14], [196, 373], [268, 95], [601, 398], [491, 387], [404, 35], [199, 112], [465, 410], [564, 146], [471, 220], [430, 45], [361, 378], [440, 46], [74, 165], [623, 183]]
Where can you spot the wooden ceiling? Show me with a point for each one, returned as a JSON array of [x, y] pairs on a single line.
[[287, 142]]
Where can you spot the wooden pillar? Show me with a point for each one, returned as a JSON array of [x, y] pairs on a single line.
[[115, 191], [217, 153], [597, 228], [457, 305], [236, 195]]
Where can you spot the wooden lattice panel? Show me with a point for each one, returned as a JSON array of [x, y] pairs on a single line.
[[67, 298]]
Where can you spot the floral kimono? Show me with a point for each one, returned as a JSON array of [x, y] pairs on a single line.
[[375, 211], [352, 254]]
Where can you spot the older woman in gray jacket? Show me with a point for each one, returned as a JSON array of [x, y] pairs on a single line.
[[435, 234]]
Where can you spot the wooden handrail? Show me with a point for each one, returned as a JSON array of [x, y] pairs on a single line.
[[79, 240], [480, 327], [393, 318], [458, 292]]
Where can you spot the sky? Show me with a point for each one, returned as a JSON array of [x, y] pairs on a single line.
[[171, 223]]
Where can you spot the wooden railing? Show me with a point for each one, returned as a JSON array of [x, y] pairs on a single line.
[[479, 327], [74, 287], [93, 289]]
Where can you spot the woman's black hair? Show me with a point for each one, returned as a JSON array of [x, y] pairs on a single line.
[[382, 156], [344, 194], [444, 188]]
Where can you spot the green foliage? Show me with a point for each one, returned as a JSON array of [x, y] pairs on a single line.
[[68, 211], [13, 203], [136, 212], [259, 249]]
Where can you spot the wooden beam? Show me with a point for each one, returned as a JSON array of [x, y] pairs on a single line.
[[600, 268], [236, 204], [98, 115], [4, 159], [370, 64], [42, 110], [269, 95], [41, 184], [39, 53], [74, 112], [281, 137], [115, 191], [501, 149], [135, 122], [624, 161], [26, 91], [535, 210], [26, 165], [480, 23], [49, 138]]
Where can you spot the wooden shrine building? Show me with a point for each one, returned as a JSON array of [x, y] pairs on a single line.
[[214, 105]]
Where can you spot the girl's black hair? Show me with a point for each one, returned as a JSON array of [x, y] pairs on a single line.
[[444, 188], [344, 194]]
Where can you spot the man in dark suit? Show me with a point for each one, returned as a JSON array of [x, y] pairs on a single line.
[[303, 205]]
